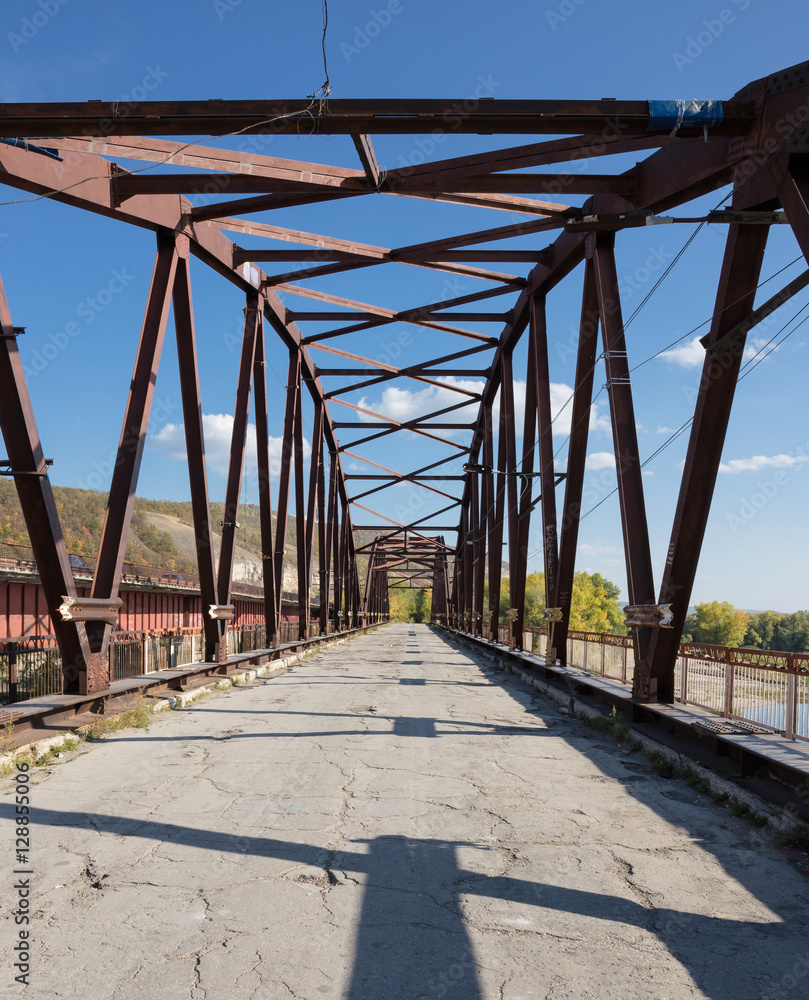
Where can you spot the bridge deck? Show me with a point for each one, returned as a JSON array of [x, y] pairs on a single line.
[[392, 819]]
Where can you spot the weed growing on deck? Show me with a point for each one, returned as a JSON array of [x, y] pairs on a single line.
[[137, 717], [612, 726]]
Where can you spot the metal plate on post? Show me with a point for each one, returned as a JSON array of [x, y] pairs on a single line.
[[650, 615], [221, 612], [90, 609]]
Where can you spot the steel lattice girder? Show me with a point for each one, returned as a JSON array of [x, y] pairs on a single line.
[[758, 145]]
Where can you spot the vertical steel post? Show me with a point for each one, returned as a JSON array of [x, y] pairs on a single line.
[[741, 269], [315, 473], [322, 548], [329, 561], [516, 559], [340, 579], [25, 454], [369, 574], [293, 390], [495, 522], [195, 448], [475, 576], [238, 442], [302, 559], [526, 488], [576, 453], [121, 498], [640, 581], [271, 588], [547, 473]]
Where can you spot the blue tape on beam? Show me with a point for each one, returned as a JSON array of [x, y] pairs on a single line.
[[673, 115], [31, 148]]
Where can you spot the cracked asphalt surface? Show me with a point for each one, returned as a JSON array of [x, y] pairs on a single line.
[[394, 818]]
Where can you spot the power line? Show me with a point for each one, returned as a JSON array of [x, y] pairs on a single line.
[[318, 100], [749, 368]]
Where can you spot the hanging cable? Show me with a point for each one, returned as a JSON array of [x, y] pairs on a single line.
[[749, 368], [325, 90], [318, 100]]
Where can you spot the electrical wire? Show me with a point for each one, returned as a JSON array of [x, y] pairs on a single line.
[[751, 365], [666, 273], [318, 100]]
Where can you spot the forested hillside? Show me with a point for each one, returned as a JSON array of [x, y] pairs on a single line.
[[721, 623], [81, 513]]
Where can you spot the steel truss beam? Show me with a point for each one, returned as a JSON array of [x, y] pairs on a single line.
[[750, 147], [348, 117]]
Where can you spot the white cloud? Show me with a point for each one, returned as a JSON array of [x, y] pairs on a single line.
[[601, 460], [736, 465], [218, 430], [648, 472], [690, 355], [406, 404], [599, 549], [665, 430], [758, 344]]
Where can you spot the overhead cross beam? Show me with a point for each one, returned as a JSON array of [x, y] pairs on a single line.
[[348, 117]]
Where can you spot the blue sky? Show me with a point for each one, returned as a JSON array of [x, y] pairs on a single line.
[[78, 282]]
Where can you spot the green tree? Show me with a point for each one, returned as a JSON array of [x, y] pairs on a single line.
[[792, 633], [421, 608], [402, 603], [595, 604], [718, 623], [761, 629]]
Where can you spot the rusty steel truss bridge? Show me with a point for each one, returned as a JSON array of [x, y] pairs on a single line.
[[757, 142]]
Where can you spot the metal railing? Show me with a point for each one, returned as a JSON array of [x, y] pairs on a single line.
[[765, 688], [29, 668], [32, 667]]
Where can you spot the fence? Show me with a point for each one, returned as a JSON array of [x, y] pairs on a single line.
[[135, 653], [762, 687], [29, 668], [32, 667]]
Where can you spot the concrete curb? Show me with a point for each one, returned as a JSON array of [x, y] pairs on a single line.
[[780, 820]]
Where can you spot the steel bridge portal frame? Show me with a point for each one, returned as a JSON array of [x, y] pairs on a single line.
[[757, 142]]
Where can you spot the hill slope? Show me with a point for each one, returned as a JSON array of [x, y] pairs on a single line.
[[161, 534]]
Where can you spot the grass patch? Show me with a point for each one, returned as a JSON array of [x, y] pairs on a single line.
[[669, 769], [138, 717], [7, 743], [743, 811], [694, 779], [662, 765], [599, 723], [797, 837], [611, 725]]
